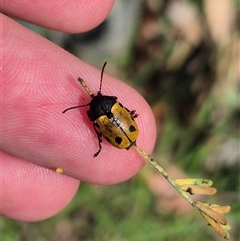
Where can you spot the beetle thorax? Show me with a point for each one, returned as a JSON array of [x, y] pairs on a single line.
[[101, 105]]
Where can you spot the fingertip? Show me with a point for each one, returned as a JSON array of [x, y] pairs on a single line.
[[112, 165], [66, 16]]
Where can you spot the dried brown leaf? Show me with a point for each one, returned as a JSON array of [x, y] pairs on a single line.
[[216, 226], [217, 217], [199, 190], [220, 209]]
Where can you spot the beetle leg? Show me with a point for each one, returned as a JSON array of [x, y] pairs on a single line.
[[133, 114], [99, 135]]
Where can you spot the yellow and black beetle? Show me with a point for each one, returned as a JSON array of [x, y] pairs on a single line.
[[110, 118]]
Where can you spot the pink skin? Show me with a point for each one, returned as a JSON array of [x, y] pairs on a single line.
[[39, 81]]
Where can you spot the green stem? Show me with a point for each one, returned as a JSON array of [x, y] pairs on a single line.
[[166, 175]]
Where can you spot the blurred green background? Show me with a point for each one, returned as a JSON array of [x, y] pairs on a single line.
[[183, 57]]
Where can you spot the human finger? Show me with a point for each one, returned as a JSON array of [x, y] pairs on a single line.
[[72, 16], [42, 83], [32, 193]]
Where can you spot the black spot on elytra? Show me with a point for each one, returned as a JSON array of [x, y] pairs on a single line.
[[132, 128], [118, 140]]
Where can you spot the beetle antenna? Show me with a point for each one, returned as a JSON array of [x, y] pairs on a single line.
[[74, 107], [100, 88]]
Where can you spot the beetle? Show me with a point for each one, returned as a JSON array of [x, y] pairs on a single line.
[[110, 118]]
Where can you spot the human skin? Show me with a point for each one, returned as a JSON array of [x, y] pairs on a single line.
[[39, 81]]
